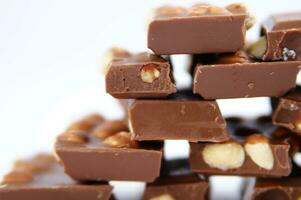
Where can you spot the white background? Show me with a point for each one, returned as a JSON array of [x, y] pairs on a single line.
[[50, 55]]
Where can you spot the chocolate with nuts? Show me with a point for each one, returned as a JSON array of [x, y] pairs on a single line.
[[242, 76], [107, 152], [203, 28], [141, 75], [43, 178], [252, 151], [182, 116], [281, 38], [288, 112], [177, 182]]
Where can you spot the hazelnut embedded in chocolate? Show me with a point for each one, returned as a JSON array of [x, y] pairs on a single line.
[[258, 148], [149, 73], [121, 140]]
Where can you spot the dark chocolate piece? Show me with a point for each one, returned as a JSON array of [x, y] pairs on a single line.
[[288, 112], [177, 183], [202, 28], [252, 151], [42, 178], [107, 152], [140, 76], [237, 75], [182, 116], [281, 38]]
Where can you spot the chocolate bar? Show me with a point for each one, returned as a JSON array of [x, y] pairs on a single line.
[[141, 75], [242, 76], [106, 151], [43, 178], [177, 182], [253, 151], [281, 38], [287, 112], [182, 116], [203, 28]]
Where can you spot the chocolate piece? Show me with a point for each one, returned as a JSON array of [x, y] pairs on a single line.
[[275, 189], [140, 76], [202, 28], [281, 38], [42, 178], [288, 112], [182, 116], [242, 77], [177, 182], [252, 151], [113, 53], [107, 152]]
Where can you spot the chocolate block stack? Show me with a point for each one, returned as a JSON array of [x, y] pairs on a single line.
[[94, 150]]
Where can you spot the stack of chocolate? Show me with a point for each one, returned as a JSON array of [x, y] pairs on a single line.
[[94, 150]]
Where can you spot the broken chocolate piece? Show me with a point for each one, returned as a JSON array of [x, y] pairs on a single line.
[[202, 28], [42, 178], [252, 151], [288, 112], [177, 182], [182, 116], [242, 76], [105, 155], [281, 38], [140, 76]]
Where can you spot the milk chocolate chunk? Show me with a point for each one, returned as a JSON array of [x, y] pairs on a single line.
[[252, 151], [242, 76], [42, 178], [202, 28], [182, 116], [141, 75], [281, 38], [107, 152], [177, 182], [288, 112], [113, 53]]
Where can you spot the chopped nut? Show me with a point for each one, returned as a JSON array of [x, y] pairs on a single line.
[[45, 158], [259, 48], [29, 166], [258, 148], [79, 137], [198, 9], [109, 128], [121, 140], [163, 197], [170, 11], [215, 10], [87, 123], [149, 73], [16, 177], [241, 8], [224, 156]]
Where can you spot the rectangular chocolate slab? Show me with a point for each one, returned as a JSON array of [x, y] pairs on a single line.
[[183, 116], [202, 28], [281, 38], [105, 151], [176, 182], [288, 112], [141, 75], [238, 76], [41, 178], [252, 151]]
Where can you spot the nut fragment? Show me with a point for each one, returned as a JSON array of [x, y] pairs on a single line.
[[87, 123], [16, 177], [149, 73], [259, 48], [241, 8], [258, 148], [29, 166], [79, 137], [198, 9], [109, 128], [162, 197], [45, 158], [215, 10], [170, 11], [288, 54], [224, 156], [121, 140]]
